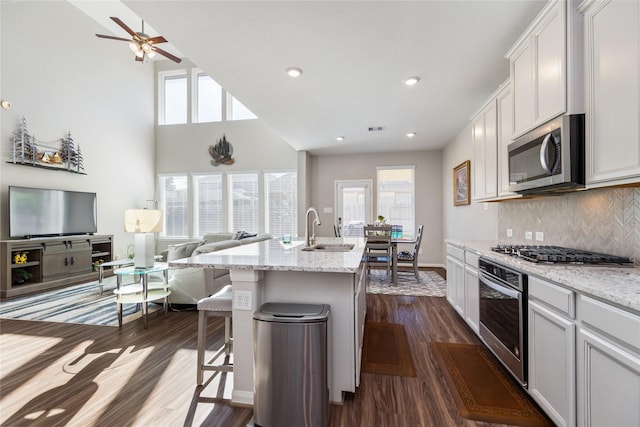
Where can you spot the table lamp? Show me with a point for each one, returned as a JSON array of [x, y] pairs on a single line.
[[143, 222]]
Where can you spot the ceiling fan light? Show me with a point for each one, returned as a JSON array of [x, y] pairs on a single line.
[[134, 47], [151, 54], [146, 47]]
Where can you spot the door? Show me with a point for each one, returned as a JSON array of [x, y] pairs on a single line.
[[353, 207]]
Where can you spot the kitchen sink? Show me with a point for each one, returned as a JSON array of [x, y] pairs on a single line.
[[330, 247]]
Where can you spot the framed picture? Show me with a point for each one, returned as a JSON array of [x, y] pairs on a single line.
[[461, 179]]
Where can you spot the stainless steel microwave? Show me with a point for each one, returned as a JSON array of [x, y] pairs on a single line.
[[549, 158]]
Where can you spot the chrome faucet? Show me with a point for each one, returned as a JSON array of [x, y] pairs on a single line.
[[311, 240]]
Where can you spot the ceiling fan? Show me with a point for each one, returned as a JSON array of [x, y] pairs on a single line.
[[141, 44]]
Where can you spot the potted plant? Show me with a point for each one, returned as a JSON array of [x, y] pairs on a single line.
[[21, 276], [381, 220]]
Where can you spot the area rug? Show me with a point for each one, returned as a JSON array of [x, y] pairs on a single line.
[[75, 304], [431, 284], [386, 350], [482, 390]]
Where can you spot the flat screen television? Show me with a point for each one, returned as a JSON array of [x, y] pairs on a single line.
[[39, 212]]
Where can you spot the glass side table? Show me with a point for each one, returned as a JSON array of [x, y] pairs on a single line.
[[116, 263], [143, 292]]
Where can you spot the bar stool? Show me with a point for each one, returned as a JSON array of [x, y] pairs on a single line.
[[217, 305]]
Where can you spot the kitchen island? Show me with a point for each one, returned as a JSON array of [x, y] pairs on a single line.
[[271, 271]]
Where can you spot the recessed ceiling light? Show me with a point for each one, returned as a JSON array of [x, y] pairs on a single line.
[[411, 134], [294, 72], [411, 81], [339, 138]]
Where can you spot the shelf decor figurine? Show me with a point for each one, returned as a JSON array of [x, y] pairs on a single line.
[[27, 150], [221, 152], [19, 258]]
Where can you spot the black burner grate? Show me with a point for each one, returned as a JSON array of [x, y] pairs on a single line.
[[560, 255]]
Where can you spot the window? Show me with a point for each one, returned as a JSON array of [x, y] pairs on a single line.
[[209, 101], [207, 98], [396, 196], [174, 204], [173, 97], [244, 202], [208, 204], [281, 203], [201, 203], [237, 110]]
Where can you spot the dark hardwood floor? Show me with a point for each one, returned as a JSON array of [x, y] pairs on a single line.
[[78, 375]]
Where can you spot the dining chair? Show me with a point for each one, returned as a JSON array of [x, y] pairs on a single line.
[[378, 249], [406, 257]]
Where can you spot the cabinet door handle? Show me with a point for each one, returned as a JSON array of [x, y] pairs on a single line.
[[66, 262], [72, 261]]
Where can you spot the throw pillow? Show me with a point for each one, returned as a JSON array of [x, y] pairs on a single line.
[[246, 235], [183, 250]]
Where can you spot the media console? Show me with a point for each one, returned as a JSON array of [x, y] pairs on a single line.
[[33, 265]]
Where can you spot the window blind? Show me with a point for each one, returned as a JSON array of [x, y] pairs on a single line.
[[208, 204], [174, 204], [396, 196], [244, 202], [281, 204]]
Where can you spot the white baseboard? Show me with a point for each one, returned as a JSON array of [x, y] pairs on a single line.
[[242, 398]]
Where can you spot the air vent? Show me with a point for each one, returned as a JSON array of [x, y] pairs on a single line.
[[376, 128]]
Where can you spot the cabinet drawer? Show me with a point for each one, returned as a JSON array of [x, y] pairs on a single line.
[[455, 252], [557, 297], [471, 259], [617, 323]]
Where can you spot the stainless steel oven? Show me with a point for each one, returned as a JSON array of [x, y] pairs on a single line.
[[503, 315]]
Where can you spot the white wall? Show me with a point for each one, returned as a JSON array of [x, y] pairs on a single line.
[[477, 221], [72, 80], [325, 170], [185, 148]]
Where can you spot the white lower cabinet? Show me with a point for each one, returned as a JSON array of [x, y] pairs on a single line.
[[455, 284], [608, 366], [551, 363], [472, 298], [463, 291]]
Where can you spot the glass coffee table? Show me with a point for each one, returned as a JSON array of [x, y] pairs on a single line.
[[144, 291]]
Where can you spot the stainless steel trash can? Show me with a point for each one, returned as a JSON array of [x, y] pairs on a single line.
[[290, 372]]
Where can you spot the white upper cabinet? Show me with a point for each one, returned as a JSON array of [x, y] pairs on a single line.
[[612, 68], [522, 81], [485, 152], [504, 103], [545, 66], [549, 73], [491, 129]]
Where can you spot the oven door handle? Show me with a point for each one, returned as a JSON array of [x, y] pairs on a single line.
[[502, 289]]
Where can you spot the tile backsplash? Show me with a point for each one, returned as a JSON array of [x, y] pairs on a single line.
[[603, 220]]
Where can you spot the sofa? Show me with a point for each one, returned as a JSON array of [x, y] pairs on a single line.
[[190, 284]]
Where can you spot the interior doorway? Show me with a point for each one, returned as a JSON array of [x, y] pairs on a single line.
[[354, 206]]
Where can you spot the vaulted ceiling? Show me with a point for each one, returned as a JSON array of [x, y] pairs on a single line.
[[354, 56]]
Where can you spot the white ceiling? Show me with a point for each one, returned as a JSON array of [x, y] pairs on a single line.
[[355, 55]]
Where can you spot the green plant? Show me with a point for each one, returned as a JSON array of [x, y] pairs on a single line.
[[23, 275], [131, 251]]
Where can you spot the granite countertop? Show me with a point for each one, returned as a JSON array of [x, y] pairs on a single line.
[[619, 285], [277, 256]]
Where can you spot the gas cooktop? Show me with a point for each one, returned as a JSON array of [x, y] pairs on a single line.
[[560, 255]]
